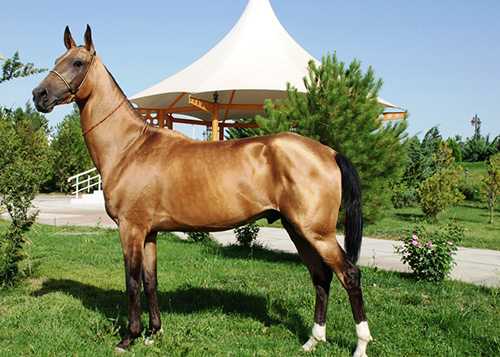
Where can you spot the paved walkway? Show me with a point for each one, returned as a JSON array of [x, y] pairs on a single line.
[[477, 266]]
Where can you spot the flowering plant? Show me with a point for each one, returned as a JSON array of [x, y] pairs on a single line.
[[430, 253]]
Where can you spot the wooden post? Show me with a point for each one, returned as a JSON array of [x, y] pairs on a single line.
[[161, 118], [215, 122]]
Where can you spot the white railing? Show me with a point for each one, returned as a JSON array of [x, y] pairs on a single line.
[[85, 181]]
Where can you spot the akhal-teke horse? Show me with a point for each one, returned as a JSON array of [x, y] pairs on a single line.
[[160, 180]]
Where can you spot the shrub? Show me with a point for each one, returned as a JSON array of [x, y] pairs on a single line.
[[490, 188], [441, 190], [24, 159], [470, 191], [430, 253], [246, 235], [199, 237], [402, 195]]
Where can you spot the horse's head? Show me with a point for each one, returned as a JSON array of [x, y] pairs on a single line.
[[68, 76]]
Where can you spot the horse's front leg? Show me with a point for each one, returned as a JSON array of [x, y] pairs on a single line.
[[132, 239], [150, 280]]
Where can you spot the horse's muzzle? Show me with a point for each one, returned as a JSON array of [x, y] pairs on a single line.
[[42, 100]]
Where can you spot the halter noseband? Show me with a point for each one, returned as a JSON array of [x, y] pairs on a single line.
[[73, 92]]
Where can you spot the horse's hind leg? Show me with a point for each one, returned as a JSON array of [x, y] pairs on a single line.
[[350, 276], [150, 281], [321, 275], [321, 257]]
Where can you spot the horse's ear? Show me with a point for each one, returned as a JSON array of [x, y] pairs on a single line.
[[88, 40], [68, 39]]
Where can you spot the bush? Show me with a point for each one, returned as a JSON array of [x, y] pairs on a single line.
[[11, 254], [246, 235], [430, 253], [441, 190], [403, 195], [199, 237], [24, 159], [470, 191], [490, 188]]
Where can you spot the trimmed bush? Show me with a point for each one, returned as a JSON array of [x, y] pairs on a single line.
[[199, 237], [246, 235]]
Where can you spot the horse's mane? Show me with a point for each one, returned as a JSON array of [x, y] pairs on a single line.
[[122, 92]]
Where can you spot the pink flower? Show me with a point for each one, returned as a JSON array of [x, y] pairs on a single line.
[[419, 245], [450, 254], [415, 237], [450, 243], [414, 242], [428, 243]]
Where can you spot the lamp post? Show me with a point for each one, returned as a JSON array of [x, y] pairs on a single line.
[[476, 122]]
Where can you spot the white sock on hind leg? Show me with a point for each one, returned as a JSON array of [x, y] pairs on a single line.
[[318, 334], [364, 337]]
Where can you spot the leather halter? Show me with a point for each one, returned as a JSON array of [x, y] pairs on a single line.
[[73, 92]]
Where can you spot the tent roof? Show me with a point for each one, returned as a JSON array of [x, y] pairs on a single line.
[[256, 59]]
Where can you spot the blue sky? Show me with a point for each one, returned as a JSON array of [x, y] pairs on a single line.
[[438, 59]]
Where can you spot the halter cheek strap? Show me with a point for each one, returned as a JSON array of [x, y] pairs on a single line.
[[73, 92]]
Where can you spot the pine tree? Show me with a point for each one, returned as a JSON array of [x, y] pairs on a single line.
[[14, 68], [340, 109]]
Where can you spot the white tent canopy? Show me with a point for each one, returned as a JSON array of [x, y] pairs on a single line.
[[255, 61]]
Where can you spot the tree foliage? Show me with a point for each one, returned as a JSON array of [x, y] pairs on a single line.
[[70, 152], [490, 188], [441, 189], [14, 68], [24, 162], [480, 148], [340, 109], [420, 165]]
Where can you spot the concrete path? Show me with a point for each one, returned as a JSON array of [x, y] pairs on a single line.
[[477, 266]]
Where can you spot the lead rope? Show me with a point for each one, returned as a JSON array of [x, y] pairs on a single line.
[[102, 121]]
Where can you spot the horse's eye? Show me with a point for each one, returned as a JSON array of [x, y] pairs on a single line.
[[78, 63]]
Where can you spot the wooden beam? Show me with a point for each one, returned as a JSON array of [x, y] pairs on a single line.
[[172, 105], [202, 104], [392, 116], [190, 121]]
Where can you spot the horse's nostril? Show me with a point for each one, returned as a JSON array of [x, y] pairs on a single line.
[[42, 94]]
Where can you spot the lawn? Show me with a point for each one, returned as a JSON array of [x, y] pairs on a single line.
[[225, 300], [472, 216]]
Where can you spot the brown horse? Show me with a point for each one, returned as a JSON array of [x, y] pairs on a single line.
[[160, 180]]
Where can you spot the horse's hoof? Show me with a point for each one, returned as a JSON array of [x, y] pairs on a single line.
[[310, 345], [148, 341], [119, 350]]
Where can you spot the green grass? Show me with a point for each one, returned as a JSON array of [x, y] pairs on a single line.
[[472, 216], [224, 300], [477, 170]]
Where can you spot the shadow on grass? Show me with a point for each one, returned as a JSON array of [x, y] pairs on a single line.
[[235, 251], [258, 253], [410, 217], [185, 300]]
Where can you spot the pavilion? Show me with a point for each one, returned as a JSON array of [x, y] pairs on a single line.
[[254, 62]]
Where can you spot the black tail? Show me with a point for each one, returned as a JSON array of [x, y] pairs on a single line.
[[351, 193]]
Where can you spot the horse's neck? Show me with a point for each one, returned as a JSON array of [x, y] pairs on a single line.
[[110, 123]]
